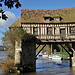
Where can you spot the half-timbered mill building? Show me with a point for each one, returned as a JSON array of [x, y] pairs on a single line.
[[49, 25], [54, 25]]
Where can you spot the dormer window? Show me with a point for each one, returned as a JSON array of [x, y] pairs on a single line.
[[57, 18], [47, 18]]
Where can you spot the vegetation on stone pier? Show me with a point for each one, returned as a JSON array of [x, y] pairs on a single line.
[[15, 34], [10, 36]]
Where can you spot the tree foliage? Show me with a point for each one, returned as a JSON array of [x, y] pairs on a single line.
[[10, 4], [15, 34], [10, 36]]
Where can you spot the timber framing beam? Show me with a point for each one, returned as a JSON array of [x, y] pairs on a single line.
[[40, 50], [37, 47], [49, 42], [70, 47], [66, 50]]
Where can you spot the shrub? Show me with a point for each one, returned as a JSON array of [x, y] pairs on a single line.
[[8, 65]]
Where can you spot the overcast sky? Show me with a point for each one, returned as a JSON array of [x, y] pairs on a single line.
[[13, 14]]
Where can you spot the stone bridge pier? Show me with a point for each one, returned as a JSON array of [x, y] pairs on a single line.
[[25, 59]]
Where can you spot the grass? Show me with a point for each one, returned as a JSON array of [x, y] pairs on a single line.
[[63, 54]]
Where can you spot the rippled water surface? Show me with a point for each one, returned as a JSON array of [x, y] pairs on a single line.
[[45, 66]]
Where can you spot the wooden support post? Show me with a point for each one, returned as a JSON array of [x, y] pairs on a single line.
[[40, 50], [51, 49]]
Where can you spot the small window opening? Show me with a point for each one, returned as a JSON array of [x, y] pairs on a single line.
[[49, 30], [35, 30]]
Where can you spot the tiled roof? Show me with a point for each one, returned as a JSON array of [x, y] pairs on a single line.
[[46, 15], [36, 15]]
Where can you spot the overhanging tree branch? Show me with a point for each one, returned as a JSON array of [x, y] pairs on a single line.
[[10, 4]]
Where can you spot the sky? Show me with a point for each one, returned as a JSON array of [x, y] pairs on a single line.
[[14, 14]]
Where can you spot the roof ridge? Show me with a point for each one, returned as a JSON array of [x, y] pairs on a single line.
[[47, 9]]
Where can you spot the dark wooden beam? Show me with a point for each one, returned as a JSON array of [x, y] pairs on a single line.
[[65, 49], [72, 50], [37, 47], [40, 50], [41, 43]]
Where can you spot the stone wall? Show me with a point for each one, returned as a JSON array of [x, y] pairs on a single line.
[[18, 50], [28, 55], [25, 53]]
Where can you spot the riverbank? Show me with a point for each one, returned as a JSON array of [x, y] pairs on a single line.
[[63, 71]]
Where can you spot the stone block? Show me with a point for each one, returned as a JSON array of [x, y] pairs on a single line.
[[73, 61]]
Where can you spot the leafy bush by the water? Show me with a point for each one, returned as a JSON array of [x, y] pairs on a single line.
[[8, 65]]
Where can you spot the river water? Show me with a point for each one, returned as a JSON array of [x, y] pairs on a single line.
[[45, 66]]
